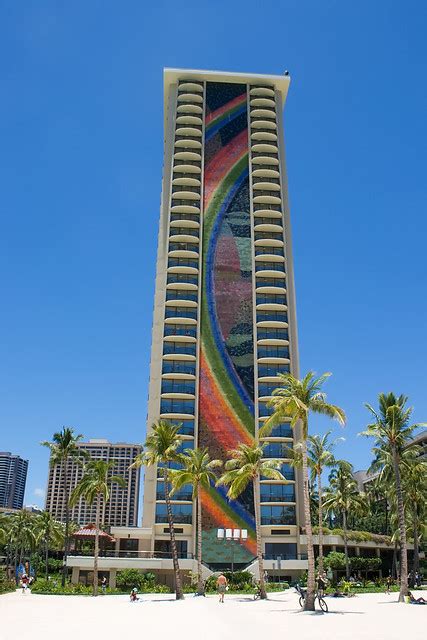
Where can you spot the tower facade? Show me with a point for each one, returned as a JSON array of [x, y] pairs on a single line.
[[122, 508], [13, 477], [224, 317]]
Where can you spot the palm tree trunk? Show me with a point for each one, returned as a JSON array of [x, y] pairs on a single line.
[[402, 531], [64, 469], [319, 488], [178, 588], [200, 589], [46, 558], [262, 589], [344, 526], [394, 561], [416, 560], [309, 599], [96, 554]]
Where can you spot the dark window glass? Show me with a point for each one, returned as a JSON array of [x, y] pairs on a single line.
[[275, 514], [272, 251], [283, 550], [185, 216], [182, 513], [271, 316], [184, 231], [188, 348], [175, 405], [183, 262], [271, 282], [186, 427], [277, 492], [267, 388], [184, 246], [179, 366], [178, 386], [184, 493], [188, 278], [181, 294], [277, 450], [269, 266], [270, 298], [189, 330], [281, 431], [272, 333], [265, 410], [271, 370], [273, 351], [268, 235], [181, 312]]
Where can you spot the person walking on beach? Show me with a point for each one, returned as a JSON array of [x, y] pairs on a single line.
[[104, 585], [221, 585]]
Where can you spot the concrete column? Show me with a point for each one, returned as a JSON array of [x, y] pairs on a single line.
[[357, 551], [112, 579], [75, 575]]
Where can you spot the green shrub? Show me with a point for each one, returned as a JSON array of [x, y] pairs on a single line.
[[6, 585]]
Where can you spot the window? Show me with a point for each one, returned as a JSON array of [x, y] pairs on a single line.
[[184, 231], [179, 366], [162, 548], [281, 431], [175, 405], [186, 427], [277, 515], [272, 333], [271, 316], [268, 221], [273, 351], [264, 410], [272, 251], [268, 266], [267, 388], [181, 312], [188, 278], [277, 492], [268, 235], [283, 550], [178, 386], [189, 330], [188, 348], [184, 246], [271, 282], [183, 262], [181, 513], [184, 216], [270, 298], [184, 493], [276, 450], [181, 294]]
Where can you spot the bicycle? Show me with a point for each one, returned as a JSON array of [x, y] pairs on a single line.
[[318, 597]]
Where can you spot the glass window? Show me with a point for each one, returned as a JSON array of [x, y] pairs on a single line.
[[184, 231], [271, 282], [272, 251], [178, 386], [271, 316], [268, 235], [189, 330], [271, 370], [270, 298], [269, 266], [283, 550], [184, 493], [275, 514], [264, 410], [273, 351], [176, 405], [181, 312], [181, 294], [182, 513], [187, 348], [188, 278], [281, 431], [272, 333], [184, 246], [185, 216], [179, 366], [267, 388], [277, 492], [276, 450], [183, 262]]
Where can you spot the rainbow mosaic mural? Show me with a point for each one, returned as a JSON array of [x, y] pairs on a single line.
[[226, 391]]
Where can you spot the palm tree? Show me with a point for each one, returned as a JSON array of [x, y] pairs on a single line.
[[319, 456], [343, 497], [48, 531], [247, 464], [392, 433], [198, 470], [162, 448], [414, 482], [95, 486], [63, 449], [21, 535], [295, 399]]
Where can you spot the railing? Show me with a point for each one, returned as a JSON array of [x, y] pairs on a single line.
[[118, 553], [284, 556]]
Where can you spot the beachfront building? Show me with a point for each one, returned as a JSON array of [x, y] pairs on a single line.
[[122, 508], [224, 315], [13, 477]]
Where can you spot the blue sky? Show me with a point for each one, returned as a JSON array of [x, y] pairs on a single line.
[[80, 171]]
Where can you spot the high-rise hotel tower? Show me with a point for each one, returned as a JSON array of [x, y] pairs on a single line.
[[224, 316]]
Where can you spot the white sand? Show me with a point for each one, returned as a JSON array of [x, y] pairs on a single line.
[[368, 616]]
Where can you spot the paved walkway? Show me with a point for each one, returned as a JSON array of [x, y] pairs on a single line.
[[365, 617]]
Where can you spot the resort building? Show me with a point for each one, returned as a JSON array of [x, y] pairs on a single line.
[[13, 476], [122, 508], [224, 315]]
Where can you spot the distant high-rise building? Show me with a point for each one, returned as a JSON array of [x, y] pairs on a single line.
[[224, 319], [122, 508], [13, 476]]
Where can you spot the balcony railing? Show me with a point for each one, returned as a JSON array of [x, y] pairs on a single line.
[[119, 553]]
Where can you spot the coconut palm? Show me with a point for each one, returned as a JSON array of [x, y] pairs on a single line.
[[197, 470], [21, 536], [162, 448], [295, 399], [393, 432], [247, 464], [319, 457], [64, 449], [343, 497], [414, 484], [48, 531], [95, 486]]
